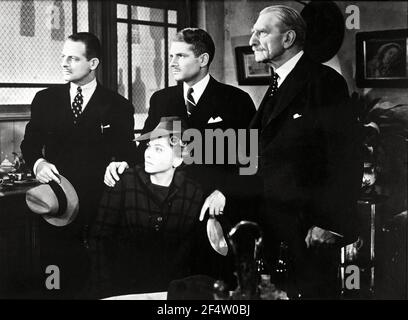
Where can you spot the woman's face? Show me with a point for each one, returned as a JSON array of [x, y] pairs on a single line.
[[390, 55], [160, 156]]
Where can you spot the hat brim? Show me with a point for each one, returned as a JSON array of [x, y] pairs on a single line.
[[70, 212], [156, 133]]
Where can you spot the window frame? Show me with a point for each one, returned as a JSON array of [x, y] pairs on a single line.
[[108, 35], [22, 111]]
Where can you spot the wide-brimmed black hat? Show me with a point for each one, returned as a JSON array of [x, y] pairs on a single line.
[[167, 126], [325, 29], [57, 203]]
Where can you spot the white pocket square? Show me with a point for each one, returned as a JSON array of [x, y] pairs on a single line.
[[212, 120], [296, 115]]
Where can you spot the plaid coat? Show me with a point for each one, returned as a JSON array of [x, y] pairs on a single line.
[[139, 243]]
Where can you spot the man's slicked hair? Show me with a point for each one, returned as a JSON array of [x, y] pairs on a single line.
[[200, 40], [92, 44], [290, 19]]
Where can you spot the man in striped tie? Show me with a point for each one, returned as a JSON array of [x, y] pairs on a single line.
[[204, 103]]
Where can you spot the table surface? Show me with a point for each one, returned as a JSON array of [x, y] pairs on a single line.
[[141, 296], [15, 190]]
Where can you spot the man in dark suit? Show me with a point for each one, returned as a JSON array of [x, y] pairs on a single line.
[[210, 105], [205, 104], [76, 129], [308, 155]]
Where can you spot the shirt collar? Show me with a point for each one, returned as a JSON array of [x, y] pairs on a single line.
[[90, 86], [284, 70], [198, 88]]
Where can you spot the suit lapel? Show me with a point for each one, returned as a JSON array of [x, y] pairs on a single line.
[[179, 103], [289, 89], [257, 119], [206, 106], [97, 105], [67, 113]]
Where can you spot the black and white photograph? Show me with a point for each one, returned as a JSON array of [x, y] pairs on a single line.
[[217, 151]]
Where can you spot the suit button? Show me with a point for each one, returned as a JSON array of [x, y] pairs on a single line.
[[159, 219]]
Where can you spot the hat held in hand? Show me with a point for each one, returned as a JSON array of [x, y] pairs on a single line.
[[57, 203]]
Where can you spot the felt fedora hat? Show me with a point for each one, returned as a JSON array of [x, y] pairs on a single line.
[[166, 127], [57, 203]]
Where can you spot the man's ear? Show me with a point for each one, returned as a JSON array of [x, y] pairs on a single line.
[[289, 39], [177, 161], [94, 63], [204, 59]]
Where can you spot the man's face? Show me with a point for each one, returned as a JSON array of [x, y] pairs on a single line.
[[184, 65], [75, 66], [159, 156], [267, 40]]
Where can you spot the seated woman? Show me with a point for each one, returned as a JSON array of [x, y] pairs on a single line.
[[147, 232]]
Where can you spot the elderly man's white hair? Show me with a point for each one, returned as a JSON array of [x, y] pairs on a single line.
[[290, 19]]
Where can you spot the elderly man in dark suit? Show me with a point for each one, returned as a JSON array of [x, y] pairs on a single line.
[[308, 154], [75, 130]]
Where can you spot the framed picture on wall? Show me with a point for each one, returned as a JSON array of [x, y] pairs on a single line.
[[382, 59], [250, 72]]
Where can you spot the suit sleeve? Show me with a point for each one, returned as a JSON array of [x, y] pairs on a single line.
[[150, 123], [246, 110], [236, 184], [122, 144], [35, 133], [335, 200]]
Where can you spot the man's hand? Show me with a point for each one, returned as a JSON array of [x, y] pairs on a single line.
[[112, 172], [317, 236], [215, 202], [45, 172]]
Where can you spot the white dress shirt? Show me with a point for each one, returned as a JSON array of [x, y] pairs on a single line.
[[198, 88], [284, 70]]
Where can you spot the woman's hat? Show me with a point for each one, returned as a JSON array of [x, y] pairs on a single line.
[[166, 127], [57, 203]]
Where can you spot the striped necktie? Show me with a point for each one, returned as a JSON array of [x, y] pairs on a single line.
[[190, 103]]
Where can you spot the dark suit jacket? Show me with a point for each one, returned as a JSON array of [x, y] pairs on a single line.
[[80, 152], [308, 149], [232, 105]]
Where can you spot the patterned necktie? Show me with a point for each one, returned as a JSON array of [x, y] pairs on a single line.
[[274, 84], [190, 103], [77, 104]]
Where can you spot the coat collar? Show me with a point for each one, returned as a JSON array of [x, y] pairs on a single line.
[[289, 89], [176, 184]]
